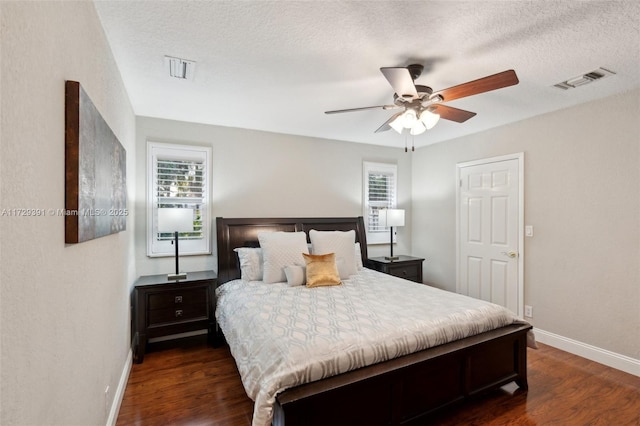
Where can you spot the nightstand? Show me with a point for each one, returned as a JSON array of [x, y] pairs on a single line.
[[406, 267], [163, 308]]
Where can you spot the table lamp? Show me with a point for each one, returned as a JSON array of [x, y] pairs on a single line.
[[390, 218], [175, 220]]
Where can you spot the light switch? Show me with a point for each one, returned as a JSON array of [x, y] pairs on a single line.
[[528, 231]]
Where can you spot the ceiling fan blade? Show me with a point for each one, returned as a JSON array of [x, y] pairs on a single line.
[[401, 81], [338, 111], [386, 126], [481, 85], [453, 114]]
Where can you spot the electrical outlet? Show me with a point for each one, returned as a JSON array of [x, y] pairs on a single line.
[[528, 311], [107, 398]]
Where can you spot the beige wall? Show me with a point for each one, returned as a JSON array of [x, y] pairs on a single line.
[[64, 309], [582, 195], [260, 174]]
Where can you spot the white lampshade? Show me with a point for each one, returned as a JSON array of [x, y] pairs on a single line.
[[391, 217], [397, 124], [409, 118], [418, 128], [429, 119], [175, 220]]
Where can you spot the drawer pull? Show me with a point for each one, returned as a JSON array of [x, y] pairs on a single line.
[[178, 313], [178, 299]]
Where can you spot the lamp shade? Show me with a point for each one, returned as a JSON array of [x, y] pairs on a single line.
[[429, 119], [175, 220], [418, 128], [409, 118], [397, 124], [391, 217]]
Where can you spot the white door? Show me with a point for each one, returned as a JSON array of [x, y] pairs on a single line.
[[489, 226]]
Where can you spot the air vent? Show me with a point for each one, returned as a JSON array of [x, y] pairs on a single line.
[[583, 79], [179, 68]]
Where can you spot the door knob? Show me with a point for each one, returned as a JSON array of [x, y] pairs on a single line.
[[510, 254]]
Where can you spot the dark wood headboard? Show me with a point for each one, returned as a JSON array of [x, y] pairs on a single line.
[[243, 232]]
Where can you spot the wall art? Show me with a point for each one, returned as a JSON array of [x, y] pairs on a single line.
[[95, 168]]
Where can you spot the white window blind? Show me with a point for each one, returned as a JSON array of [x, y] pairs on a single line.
[[380, 191], [179, 178], [180, 184]]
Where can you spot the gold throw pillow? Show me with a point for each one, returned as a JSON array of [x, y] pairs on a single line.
[[321, 270]]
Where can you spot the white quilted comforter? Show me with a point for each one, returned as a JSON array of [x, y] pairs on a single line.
[[283, 336]]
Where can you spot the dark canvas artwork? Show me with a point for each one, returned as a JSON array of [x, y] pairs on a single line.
[[96, 190]]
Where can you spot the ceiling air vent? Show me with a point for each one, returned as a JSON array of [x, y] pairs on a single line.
[[179, 68], [586, 78]]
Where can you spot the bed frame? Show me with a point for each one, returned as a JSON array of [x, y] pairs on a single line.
[[401, 391]]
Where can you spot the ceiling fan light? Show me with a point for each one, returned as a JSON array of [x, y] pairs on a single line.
[[397, 124], [418, 128], [429, 119], [409, 118]]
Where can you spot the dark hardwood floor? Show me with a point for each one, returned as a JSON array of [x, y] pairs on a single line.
[[198, 385]]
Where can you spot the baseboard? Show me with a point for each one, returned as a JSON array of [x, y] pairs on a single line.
[[122, 384], [603, 356]]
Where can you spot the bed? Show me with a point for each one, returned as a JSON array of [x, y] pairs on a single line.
[[402, 390]]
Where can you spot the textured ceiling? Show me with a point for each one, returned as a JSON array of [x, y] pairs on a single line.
[[278, 65]]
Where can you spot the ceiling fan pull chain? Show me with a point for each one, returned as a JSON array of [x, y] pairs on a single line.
[[413, 143], [405, 143]]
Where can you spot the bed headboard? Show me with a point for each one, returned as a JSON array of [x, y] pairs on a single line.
[[243, 232]]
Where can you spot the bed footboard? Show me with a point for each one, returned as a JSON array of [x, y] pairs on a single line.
[[406, 390]]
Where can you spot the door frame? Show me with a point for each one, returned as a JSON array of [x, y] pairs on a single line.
[[459, 166]]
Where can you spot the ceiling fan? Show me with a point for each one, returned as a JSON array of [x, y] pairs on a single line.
[[421, 106]]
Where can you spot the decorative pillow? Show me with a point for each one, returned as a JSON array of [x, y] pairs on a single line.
[[296, 275], [321, 270], [339, 242], [280, 249], [250, 263]]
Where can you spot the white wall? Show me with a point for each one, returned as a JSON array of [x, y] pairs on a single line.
[[582, 195], [64, 308], [261, 174]]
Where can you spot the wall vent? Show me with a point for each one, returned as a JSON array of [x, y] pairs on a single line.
[[585, 78], [179, 68]]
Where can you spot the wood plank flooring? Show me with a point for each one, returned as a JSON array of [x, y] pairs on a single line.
[[198, 385]]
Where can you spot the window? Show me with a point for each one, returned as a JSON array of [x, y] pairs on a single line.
[[380, 189], [179, 177]]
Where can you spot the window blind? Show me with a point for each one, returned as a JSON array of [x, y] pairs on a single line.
[[380, 188], [381, 195], [181, 183]]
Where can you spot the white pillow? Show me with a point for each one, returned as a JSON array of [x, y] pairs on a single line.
[[339, 242], [250, 259], [280, 249], [342, 269], [296, 275], [358, 255]]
